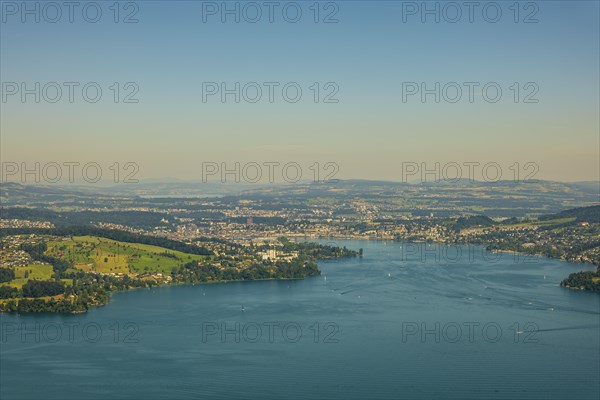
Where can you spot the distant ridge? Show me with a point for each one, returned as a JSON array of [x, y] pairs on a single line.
[[582, 214]]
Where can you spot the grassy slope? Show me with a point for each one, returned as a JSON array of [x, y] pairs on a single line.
[[95, 254], [36, 271]]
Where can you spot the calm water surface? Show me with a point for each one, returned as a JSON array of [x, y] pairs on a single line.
[[405, 321]]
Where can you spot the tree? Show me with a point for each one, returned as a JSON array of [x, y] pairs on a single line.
[[6, 275], [8, 292], [35, 288]]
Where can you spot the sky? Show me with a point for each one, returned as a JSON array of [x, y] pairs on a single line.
[[384, 84]]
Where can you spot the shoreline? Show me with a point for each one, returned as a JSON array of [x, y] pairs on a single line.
[[158, 286], [483, 246]]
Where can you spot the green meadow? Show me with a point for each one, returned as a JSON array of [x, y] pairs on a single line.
[[33, 271], [96, 254]]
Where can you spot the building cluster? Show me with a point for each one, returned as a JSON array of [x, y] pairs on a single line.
[[11, 254], [23, 223], [278, 255]]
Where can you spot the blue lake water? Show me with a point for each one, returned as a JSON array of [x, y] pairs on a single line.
[[405, 321]]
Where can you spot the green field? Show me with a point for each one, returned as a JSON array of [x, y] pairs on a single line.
[[95, 254], [34, 271]]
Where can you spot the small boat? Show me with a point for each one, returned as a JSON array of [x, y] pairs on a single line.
[[243, 309]]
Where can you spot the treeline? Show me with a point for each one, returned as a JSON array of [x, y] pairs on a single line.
[[36, 251], [38, 288], [317, 250], [168, 255], [9, 292], [40, 305], [194, 272], [585, 280], [33, 288], [570, 253], [6, 275], [468, 222], [138, 219], [120, 236], [88, 290], [582, 214]]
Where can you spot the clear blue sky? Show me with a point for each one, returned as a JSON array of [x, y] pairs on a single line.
[[368, 54]]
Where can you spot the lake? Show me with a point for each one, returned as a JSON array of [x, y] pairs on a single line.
[[410, 321]]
